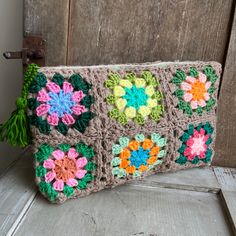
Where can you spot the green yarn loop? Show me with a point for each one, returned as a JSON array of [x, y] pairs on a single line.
[[16, 129], [21, 103]]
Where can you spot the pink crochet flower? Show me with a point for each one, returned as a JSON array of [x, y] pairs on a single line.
[[196, 90], [196, 145], [64, 168], [58, 104]]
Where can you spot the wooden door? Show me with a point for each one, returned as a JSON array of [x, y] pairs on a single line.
[[86, 32]]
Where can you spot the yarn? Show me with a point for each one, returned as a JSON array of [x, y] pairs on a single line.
[[163, 124], [16, 129]]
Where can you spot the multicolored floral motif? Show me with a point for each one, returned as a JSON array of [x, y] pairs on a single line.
[[195, 144], [134, 157], [64, 169], [195, 90], [60, 103], [134, 98]]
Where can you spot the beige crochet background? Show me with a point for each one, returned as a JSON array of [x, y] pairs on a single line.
[[103, 131]]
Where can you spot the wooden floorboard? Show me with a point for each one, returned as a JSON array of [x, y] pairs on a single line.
[[16, 192], [129, 210], [197, 179], [227, 180], [142, 207]]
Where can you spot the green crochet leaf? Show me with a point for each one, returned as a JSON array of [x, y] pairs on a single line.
[[40, 171], [34, 120], [190, 129], [48, 190], [131, 77], [87, 101], [79, 84], [62, 128], [43, 153], [181, 160], [82, 184], [83, 121], [68, 191], [195, 160], [43, 127], [113, 80], [182, 148], [64, 147], [32, 103], [58, 79], [179, 93], [184, 137], [90, 166], [193, 72], [88, 178], [210, 73], [199, 110]]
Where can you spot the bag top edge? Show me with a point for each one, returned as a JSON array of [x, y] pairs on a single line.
[[155, 63]]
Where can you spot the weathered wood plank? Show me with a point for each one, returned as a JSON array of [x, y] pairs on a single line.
[[227, 180], [148, 30], [49, 19], [14, 207], [16, 192], [129, 210], [204, 180], [226, 129]]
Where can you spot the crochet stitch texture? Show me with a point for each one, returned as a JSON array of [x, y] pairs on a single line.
[[97, 127]]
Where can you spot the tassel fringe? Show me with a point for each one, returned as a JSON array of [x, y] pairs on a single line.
[[16, 129]]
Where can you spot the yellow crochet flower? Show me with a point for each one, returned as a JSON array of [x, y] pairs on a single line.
[[134, 97], [125, 83], [130, 112], [151, 102], [119, 91], [144, 111], [140, 83], [149, 90], [121, 103]]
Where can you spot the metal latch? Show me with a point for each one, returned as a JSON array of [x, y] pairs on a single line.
[[33, 51]]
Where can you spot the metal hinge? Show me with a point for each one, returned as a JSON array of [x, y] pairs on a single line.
[[33, 51]]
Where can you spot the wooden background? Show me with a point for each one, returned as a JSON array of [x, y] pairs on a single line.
[[86, 32]]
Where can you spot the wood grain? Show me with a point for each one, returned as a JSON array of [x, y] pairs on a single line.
[[227, 180], [226, 128], [205, 181], [16, 192], [129, 210], [49, 19], [105, 32]]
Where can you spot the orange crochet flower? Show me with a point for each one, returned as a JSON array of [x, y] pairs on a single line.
[[198, 90], [134, 145], [124, 163], [65, 169], [151, 160], [143, 168], [154, 151], [147, 143], [125, 153], [130, 169]]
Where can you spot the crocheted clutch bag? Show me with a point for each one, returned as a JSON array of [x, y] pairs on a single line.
[[101, 126]]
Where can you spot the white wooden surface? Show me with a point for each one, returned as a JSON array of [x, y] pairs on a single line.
[[190, 202], [16, 192], [227, 180]]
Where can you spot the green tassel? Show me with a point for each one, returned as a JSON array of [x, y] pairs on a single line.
[[16, 129]]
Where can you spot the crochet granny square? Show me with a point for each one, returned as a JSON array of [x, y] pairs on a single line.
[[98, 127]]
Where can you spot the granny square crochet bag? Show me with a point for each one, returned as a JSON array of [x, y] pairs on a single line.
[[97, 127]]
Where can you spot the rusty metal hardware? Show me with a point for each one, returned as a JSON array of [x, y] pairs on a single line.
[[33, 51]]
